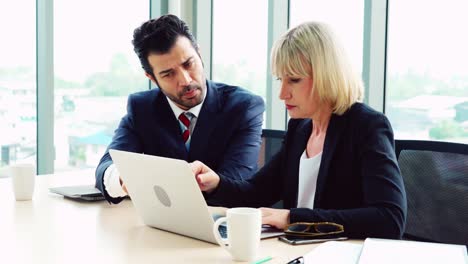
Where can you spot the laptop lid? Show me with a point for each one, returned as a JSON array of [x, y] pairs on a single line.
[[165, 194]]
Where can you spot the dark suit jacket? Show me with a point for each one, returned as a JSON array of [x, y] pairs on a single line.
[[359, 183], [227, 135]]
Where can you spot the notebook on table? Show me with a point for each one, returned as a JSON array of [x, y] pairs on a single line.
[[387, 251], [166, 195]]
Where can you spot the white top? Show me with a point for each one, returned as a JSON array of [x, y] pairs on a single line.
[[308, 173], [112, 175]]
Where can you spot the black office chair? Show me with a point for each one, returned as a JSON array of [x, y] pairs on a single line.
[[271, 143], [436, 182]]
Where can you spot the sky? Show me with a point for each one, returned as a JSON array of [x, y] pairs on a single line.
[[429, 36], [346, 18], [87, 34], [425, 35]]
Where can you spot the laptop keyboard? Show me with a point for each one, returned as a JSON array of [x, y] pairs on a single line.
[[222, 231], [267, 230]]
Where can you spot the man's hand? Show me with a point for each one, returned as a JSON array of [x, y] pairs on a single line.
[[278, 218], [206, 178]]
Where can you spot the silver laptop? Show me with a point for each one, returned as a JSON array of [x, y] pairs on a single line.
[[166, 195]]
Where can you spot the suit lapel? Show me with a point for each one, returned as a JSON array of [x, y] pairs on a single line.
[[333, 135], [206, 122]]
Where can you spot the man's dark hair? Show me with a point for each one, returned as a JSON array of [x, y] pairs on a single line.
[[158, 36]]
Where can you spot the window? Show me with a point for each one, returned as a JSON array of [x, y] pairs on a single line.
[[17, 83], [240, 36], [427, 81], [345, 17], [95, 71]]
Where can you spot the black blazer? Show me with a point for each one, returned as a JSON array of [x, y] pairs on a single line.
[[359, 184], [227, 135]]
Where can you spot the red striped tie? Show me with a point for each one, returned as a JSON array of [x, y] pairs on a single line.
[[186, 122]]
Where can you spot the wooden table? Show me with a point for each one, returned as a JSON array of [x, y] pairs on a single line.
[[51, 229]]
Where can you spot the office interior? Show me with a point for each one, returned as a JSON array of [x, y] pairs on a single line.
[[67, 68]]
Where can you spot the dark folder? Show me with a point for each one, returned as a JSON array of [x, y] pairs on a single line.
[[79, 192]]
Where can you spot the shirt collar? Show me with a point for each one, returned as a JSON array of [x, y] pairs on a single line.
[[194, 110]]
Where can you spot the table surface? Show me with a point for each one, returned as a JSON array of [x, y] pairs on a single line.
[[52, 229]]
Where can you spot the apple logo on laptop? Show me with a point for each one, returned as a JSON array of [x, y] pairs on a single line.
[[162, 195]]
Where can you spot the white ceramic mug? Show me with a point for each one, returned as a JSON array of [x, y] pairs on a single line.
[[244, 226], [23, 177]]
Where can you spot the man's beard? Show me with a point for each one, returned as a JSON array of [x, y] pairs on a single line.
[[191, 102]]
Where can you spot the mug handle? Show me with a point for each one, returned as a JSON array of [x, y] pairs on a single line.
[[223, 242]]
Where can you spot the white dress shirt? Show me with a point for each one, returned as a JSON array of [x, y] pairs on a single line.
[[308, 174], [112, 175]]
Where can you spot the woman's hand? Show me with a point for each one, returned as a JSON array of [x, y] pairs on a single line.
[[278, 218], [207, 179]]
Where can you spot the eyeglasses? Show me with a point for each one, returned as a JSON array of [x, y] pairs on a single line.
[[317, 229]]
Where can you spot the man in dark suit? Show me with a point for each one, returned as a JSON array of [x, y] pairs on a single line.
[[186, 117]]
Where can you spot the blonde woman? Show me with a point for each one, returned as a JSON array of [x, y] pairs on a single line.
[[337, 163]]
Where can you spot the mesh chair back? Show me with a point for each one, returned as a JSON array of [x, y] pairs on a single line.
[[271, 143], [436, 182]]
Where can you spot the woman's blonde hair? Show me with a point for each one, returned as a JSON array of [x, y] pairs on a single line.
[[311, 50]]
